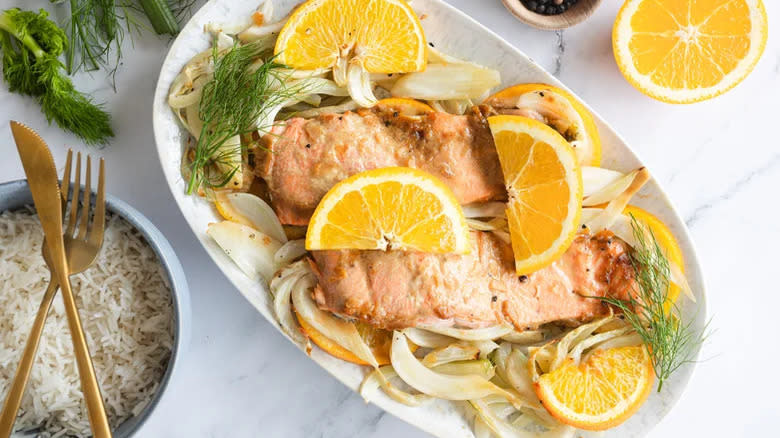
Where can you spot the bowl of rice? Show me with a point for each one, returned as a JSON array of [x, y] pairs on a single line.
[[134, 307]]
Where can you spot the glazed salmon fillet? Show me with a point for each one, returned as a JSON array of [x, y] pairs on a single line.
[[397, 289], [304, 158]]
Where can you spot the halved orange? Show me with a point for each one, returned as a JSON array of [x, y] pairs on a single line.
[[559, 110], [405, 106], [601, 392], [384, 36], [683, 51], [544, 184], [391, 208]]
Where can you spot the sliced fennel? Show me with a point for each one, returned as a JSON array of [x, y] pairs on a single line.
[[252, 250], [447, 81], [482, 334], [439, 385], [337, 330]]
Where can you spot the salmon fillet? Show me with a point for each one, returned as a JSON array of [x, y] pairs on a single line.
[[398, 289], [304, 158]]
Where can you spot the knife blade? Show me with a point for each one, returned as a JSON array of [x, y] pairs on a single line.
[[41, 174], [45, 187]]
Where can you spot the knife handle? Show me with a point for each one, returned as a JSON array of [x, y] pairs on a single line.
[[89, 384], [14, 398]]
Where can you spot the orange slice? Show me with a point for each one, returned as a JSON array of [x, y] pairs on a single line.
[[683, 51], [559, 110], [384, 36], [391, 208], [405, 106], [601, 392], [544, 184]]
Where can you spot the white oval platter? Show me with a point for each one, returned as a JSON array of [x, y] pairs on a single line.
[[457, 34]]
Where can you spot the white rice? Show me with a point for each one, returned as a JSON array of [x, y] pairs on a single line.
[[125, 306]]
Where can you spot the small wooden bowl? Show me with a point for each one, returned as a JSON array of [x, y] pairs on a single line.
[[577, 13]]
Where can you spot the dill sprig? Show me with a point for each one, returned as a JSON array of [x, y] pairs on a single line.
[[670, 341], [241, 94]]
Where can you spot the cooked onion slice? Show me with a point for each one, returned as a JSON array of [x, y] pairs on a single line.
[[289, 252], [483, 334], [450, 353], [615, 208], [499, 426], [504, 429], [516, 369], [258, 213], [447, 81], [359, 85], [477, 367], [595, 179], [424, 338], [296, 275], [381, 377], [252, 250], [339, 331], [447, 387], [349, 105], [574, 337], [525, 338], [609, 191], [485, 347], [628, 340]]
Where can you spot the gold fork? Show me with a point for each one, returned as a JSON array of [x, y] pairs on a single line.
[[82, 251]]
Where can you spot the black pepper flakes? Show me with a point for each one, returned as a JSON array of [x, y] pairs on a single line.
[[431, 44], [395, 114], [494, 299], [341, 118], [584, 227], [523, 278], [308, 145], [387, 123]]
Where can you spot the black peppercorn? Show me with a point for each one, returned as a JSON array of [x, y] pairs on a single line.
[[548, 7]]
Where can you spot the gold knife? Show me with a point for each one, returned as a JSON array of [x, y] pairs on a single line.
[[44, 185]]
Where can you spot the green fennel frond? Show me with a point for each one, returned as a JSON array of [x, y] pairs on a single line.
[[670, 341], [238, 100], [31, 44]]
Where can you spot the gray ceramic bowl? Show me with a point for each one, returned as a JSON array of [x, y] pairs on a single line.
[[16, 194]]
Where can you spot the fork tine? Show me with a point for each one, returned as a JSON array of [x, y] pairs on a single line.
[[99, 221], [74, 200], [66, 180], [86, 204]]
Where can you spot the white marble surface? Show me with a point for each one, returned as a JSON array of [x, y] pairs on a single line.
[[718, 160]]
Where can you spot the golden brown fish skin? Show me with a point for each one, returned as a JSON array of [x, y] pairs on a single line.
[[397, 289], [304, 158]]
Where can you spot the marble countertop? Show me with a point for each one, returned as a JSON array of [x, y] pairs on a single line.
[[718, 160]]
